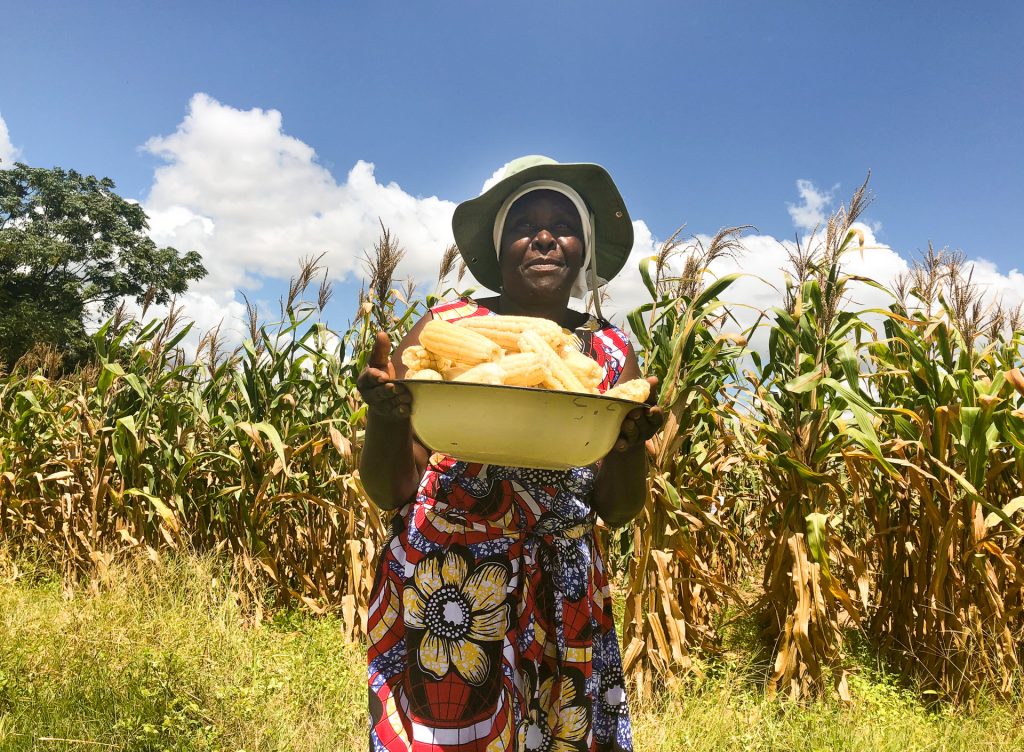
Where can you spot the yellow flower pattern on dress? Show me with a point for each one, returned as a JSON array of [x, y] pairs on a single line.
[[458, 610], [558, 728], [499, 585]]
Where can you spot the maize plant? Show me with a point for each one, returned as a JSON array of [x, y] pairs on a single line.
[[811, 413], [947, 530], [250, 453], [674, 579]]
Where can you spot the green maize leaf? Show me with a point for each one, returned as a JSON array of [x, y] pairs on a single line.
[[845, 321], [108, 374], [971, 426], [804, 383], [639, 328], [29, 397], [803, 471], [972, 492], [1012, 429], [275, 441], [812, 290], [647, 275], [195, 460], [817, 538], [136, 384], [162, 509], [1009, 509], [177, 337], [867, 281], [874, 449], [147, 333]]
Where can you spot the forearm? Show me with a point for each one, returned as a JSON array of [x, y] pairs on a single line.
[[387, 466], [620, 489]]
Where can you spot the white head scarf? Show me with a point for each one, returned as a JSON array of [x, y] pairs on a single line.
[[587, 278]]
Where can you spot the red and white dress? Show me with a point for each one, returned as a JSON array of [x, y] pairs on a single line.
[[490, 623]]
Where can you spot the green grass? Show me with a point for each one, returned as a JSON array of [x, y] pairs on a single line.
[[162, 658]]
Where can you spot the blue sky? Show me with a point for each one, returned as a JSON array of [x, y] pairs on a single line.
[[705, 113]]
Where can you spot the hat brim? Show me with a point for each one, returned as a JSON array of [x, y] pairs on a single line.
[[473, 220]]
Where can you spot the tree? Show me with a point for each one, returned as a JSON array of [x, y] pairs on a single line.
[[71, 247]]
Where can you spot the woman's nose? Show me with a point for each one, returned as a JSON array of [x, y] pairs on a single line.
[[544, 241]]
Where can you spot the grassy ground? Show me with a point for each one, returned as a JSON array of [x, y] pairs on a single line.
[[162, 659]]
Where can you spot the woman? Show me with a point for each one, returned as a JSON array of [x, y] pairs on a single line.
[[490, 619]]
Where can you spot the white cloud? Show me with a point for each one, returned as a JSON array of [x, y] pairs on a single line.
[[254, 201], [762, 285], [811, 212], [8, 154], [494, 178]]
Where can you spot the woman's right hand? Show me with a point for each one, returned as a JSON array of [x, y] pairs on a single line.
[[376, 384]]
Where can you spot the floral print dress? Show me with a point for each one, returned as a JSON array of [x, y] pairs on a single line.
[[490, 622]]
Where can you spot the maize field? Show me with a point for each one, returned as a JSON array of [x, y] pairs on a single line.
[[861, 474]]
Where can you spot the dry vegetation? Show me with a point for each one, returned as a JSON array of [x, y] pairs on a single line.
[[871, 474]]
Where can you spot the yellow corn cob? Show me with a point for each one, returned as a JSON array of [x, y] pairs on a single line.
[[587, 370], [506, 330], [417, 357], [451, 374], [458, 344], [523, 369], [559, 376], [637, 390], [424, 374], [570, 342], [485, 373]]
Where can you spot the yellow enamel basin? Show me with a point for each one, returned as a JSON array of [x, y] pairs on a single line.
[[515, 426]]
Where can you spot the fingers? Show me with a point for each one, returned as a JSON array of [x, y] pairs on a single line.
[[638, 426], [388, 399], [376, 385], [380, 356], [652, 398], [628, 433]]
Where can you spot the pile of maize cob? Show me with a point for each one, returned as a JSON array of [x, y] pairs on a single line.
[[513, 351]]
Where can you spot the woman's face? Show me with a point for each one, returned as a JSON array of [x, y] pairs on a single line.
[[541, 250]]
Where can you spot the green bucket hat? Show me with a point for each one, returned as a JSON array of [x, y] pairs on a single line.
[[473, 221]]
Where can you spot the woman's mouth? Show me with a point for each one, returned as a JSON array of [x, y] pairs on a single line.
[[545, 265]]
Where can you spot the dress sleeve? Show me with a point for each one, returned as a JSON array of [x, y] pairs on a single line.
[[608, 345]]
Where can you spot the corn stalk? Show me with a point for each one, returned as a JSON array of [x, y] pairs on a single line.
[[947, 529], [675, 571], [811, 413]]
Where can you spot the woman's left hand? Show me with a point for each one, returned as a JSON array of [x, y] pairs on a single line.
[[642, 423]]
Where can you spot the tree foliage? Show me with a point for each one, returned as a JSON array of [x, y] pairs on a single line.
[[70, 247]]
